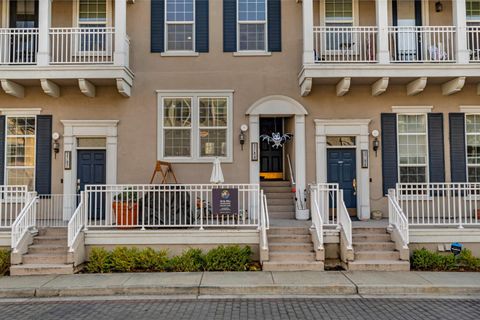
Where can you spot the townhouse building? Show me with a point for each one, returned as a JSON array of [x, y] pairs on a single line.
[[329, 110]]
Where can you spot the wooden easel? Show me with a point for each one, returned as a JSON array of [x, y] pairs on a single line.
[[165, 169]]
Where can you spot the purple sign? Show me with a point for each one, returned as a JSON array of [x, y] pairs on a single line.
[[225, 201]]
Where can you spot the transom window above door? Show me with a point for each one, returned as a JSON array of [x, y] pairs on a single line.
[[252, 25], [180, 25]]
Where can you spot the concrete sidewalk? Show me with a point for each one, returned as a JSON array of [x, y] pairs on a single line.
[[245, 284]]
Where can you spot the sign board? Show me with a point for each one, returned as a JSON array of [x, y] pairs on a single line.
[[225, 201]]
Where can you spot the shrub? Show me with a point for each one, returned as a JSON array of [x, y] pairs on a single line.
[[191, 260], [425, 260], [151, 260], [123, 259], [467, 260], [4, 261], [230, 258], [99, 262]]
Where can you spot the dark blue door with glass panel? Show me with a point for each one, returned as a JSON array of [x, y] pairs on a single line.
[[91, 169], [342, 170]]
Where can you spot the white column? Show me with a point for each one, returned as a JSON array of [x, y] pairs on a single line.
[[460, 22], [381, 8], [254, 124], [300, 153], [120, 55], [308, 53], [363, 178], [44, 23]]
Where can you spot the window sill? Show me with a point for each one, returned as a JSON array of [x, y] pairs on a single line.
[[251, 54], [179, 54]]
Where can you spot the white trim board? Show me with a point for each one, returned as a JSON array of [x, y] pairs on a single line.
[[412, 109], [470, 109], [20, 112]]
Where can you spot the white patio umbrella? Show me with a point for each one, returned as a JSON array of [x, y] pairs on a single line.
[[217, 174]]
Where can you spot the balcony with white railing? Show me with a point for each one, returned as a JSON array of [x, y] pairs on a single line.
[[18, 46]]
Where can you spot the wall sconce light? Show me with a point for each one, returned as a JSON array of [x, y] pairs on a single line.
[[56, 144], [242, 137], [376, 143], [438, 6]]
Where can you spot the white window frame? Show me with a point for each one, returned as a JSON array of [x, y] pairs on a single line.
[[323, 23], [195, 147], [165, 31], [466, 143], [427, 158], [6, 167], [264, 22], [473, 21]]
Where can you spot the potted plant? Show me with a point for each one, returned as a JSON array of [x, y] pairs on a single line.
[[125, 206]]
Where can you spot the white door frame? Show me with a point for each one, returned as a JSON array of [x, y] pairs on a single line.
[[279, 106], [74, 129], [346, 127]]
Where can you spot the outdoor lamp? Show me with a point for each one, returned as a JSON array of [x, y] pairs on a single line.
[[438, 6], [376, 143], [56, 144], [243, 130]]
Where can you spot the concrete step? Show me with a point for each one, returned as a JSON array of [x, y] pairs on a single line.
[[44, 258], [281, 215], [377, 255], [40, 269], [369, 230], [275, 183], [297, 238], [284, 201], [277, 190], [297, 247], [374, 237], [53, 232], [288, 230], [292, 256], [378, 265], [295, 266], [50, 240], [47, 248], [276, 208], [374, 246], [279, 195]]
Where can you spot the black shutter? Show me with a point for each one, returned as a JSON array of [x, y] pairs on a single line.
[[436, 154], [201, 25], [274, 25], [2, 150], [157, 22], [389, 151], [458, 161], [43, 165], [229, 25]]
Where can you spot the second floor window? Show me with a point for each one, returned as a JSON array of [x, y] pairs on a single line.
[[92, 13], [339, 13], [252, 25], [180, 25], [473, 12], [472, 126]]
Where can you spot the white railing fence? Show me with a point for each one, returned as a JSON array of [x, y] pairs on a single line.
[[55, 210], [77, 222], [327, 196], [18, 45], [12, 201], [264, 221], [317, 220], [345, 44], [422, 43], [84, 45], [25, 220], [473, 43], [344, 220], [176, 205], [396, 217], [440, 203]]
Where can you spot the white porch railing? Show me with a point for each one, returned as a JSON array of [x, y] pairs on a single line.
[[344, 220], [326, 196], [264, 221], [12, 201], [25, 220], [160, 206], [82, 45], [76, 223], [345, 44], [396, 217], [473, 43], [443, 204], [317, 220], [55, 210], [422, 44], [18, 45]]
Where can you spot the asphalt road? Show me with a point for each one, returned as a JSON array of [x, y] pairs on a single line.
[[243, 309]]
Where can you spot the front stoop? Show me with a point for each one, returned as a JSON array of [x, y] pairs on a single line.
[[291, 249], [46, 256], [375, 251]]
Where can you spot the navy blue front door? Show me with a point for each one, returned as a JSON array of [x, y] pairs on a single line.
[[342, 170], [91, 169]]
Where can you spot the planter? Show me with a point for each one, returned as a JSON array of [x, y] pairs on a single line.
[[302, 214], [126, 214]]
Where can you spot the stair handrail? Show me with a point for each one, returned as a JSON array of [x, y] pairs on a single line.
[[344, 219], [317, 220], [264, 221], [292, 178], [76, 223], [397, 218], [25, 221]]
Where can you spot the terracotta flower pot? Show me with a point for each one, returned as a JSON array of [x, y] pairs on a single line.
[[126, 214]]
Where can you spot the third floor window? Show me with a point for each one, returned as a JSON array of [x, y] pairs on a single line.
[[252, 25], [180, 25]]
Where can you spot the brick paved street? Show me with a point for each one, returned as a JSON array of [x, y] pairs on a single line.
[[335, 308]]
